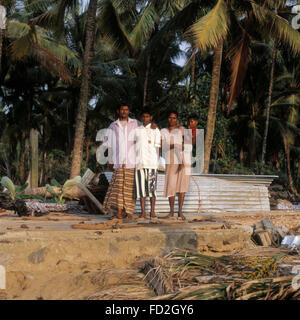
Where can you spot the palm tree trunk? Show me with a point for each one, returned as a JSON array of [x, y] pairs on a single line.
[[193, 68], [145, 103], [213, 102], [288, 165], [34, 158], [193, 72], [87, 152], [1, 41], [22, 157], [6, 160], [43, 162], [252, 145], [264, 147], [298, 175], [84, 90]]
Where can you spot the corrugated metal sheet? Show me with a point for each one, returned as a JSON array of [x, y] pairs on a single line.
[[217, 193]]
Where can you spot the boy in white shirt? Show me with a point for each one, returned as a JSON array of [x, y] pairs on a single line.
[[147, 159]]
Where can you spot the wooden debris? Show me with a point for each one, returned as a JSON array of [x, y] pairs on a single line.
[[35, 208], [263, 238], [266, 234], [87, 177], [92, 198]]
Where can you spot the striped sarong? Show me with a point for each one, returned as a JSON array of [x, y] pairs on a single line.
[[145, 183], [120, 193]]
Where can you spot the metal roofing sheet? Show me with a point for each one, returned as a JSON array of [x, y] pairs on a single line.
[[217, 193]]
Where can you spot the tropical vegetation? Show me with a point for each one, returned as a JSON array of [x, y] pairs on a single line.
[[66, 65]]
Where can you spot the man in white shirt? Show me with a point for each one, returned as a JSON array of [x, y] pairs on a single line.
[[119, 139], [147, 159], [120, 199]]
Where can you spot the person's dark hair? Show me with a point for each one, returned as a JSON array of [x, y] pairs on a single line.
[[193, 116], [122, 105], [174, 112], [148, 111]]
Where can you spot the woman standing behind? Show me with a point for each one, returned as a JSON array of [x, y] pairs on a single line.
[[178, 169]]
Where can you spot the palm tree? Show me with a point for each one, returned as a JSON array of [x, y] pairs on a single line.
[[288, 99], [214, 28], [27, 45], [84, 90], [270, 92]]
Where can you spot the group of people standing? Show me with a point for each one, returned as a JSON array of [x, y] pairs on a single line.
[[134, 150]]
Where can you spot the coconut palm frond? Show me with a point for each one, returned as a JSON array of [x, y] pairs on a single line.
[[145, 26], [283, 105], [51, 62], [54, 17], [33, 37], [169, 8], [276, 3], [178, 24], [25, 35], [287, 92], [285, 126], [127, 7], [209, 30], [278, 27], [293, 128], [38, 5], [286, 76], [105, 51], [47, 19], [287, 100], [240, 55], [65, 54], [17, 29], [111, 27]]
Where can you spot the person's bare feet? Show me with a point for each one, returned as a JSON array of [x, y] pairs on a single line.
[[169, 216], [181, 216], [129, 218], [142, 217], [152, 215], [119, 216]]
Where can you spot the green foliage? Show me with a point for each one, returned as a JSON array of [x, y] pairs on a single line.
[[58, 196], [228, 166], [14, 192], [196, 102], [58, 166], [44, 44], [9, 185]]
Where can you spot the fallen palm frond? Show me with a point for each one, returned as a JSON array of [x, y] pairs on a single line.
[[158, 280], [201, 277], [262, 289]]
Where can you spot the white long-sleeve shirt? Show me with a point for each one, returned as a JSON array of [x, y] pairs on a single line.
[[147, 142], [120, 138]]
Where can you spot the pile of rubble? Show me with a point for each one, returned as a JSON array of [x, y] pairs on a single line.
[[281, 199], [266, 234]]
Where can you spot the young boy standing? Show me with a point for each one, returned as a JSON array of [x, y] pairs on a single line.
[[192, 124], [147, 158]]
